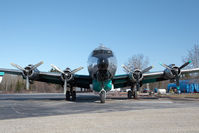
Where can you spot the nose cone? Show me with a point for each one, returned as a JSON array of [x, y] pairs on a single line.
[[102, 64]]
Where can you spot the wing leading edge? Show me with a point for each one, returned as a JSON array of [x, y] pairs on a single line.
[[121, 81], [82, 81]]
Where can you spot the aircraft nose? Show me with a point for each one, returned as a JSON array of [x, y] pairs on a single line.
[[102, 64]]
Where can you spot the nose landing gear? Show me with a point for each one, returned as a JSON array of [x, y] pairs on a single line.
[[102, 96]]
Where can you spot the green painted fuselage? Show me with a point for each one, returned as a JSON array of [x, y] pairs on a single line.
[[99, 85]]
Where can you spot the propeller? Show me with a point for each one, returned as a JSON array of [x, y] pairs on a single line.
[[27, 71], [67, 74], [147, 69], [126, 68], [176, 71], [137, 75]]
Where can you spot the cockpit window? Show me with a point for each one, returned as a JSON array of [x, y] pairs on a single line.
[[98, 52]]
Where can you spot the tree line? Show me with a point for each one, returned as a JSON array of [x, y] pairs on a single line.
[[16, 84]]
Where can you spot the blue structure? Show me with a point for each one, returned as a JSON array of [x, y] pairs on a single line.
[[186, 86]]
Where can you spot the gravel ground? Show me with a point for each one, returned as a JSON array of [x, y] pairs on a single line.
[[170, 120]]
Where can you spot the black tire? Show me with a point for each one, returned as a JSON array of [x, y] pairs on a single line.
[[130, 94], [67, 95], [74, 96], [102, 96]]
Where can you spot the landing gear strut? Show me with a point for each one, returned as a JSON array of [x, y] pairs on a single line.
[[102, 96], [135, 95], [67, 95], [71, 94]]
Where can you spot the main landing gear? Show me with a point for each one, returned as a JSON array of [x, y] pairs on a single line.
[[70, 95], [132, 93]]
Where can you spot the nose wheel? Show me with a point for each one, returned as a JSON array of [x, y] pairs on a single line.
[[103, 96]]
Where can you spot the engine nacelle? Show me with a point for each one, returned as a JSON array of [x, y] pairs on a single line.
[[68, 75], [33, 74], [136, 75], [172, 73]]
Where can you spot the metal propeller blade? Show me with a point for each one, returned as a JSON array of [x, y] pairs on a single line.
[[18, 67], [58, 69], [65, 80], [65, 86], [76, 70], [37, 65], [185, 64], [164, 65], [147, 69], [126, 68], [27, 83]]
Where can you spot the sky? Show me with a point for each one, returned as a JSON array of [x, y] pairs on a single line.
[[64, 32]]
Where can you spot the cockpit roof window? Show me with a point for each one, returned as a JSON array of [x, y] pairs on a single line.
[[99, 52], [102, 47]]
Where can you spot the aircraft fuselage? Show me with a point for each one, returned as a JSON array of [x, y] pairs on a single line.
[[102, 66]]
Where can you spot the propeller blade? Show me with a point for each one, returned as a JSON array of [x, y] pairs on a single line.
[[65, 86], [185, 64], [164, 65], [56, 68], [126, 68], [147, 69], [27, 83], [76, 70], [37, 65], [18, 67]]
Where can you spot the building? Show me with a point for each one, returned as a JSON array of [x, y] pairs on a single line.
[[186, 86]]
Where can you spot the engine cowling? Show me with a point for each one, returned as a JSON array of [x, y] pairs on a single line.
[[136, 76], [172, 73], [66, 75], [32, 74]]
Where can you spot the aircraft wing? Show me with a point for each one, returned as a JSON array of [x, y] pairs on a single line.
[[11, 71], [124, 80], [82, 81]]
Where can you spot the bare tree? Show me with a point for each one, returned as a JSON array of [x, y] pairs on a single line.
[[137, 62], [193, 55]]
